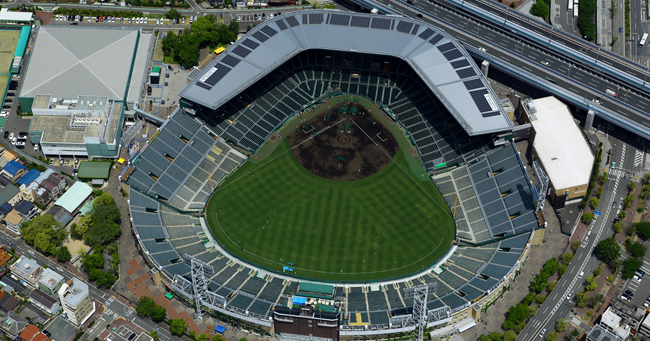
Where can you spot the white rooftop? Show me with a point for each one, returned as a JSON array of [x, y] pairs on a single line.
[[15, 16], [49, 278], [610, 319], [560, 144], [70, 61], [77, 291]]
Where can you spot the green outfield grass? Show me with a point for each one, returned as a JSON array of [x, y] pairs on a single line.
[[393, 213]]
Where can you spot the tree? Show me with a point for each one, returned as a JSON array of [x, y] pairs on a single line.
[[173, 14], [169, 43], [608, 250], [540, 298], [630, 266], [591, 283], [158, 314], [528, 299], [552, 336], [567, 258], [603, 178], [550, 286], [581, 299], [562, 270], [217, 338], [516, 314], [598, 271], [104, 199], [63, 254], [618, 227], [202, 337], [104, 225], [599, 192], [561, 325], [636, 249], [42, 223], [622, 215], [593, 203], [628, 201], [575, 246], [540, 9], [154, 335], [587, 218], [643, 229], [178, 326], [42, 241], [234, 27], [145, 306], [93, 261], [509, 335], [106, 279], [532, 310], [630, 187]]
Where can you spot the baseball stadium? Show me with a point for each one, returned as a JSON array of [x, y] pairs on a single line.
[[350, 168]]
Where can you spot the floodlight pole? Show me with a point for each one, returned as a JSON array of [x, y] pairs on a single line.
[[420, 310]]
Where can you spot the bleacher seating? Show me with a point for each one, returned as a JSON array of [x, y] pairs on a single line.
[[356, 299]]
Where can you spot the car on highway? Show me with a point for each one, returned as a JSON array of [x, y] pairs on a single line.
[[614, 204], [568, 296], [541, 334], [620, 30]]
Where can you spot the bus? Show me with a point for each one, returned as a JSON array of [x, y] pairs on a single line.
[[643, 39], [575, 11], [569, 5]]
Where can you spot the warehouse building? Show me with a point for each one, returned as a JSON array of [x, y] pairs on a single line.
[[559, 146], [78, 92]]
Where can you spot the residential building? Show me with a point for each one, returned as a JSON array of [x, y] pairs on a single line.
[[44, 302], [8, 303], [10, 194], [26, 209], [598, 333], [13, 220], [50, 282], [76, 301], [13, 170], [644, 328], [612, 322], [29, 191], [29, 177], [44, 175], [60, 215], [29, 332], [13, 324], [559, 146], [74, 197], [58, 180], [52, 188], [11, 285], [43, 196], [26, 269]]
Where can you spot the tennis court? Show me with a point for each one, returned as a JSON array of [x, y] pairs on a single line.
[[94, 170], [8, 43]]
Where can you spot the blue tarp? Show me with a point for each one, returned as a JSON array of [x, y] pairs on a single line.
[[29, 177], [219, 329], [299, 300]]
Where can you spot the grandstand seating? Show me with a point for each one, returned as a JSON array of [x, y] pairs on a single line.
[[179, 163], [250, 118]]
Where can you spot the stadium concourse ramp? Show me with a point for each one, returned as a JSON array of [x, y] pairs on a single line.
[[183, 163], [490, 196], [469, 274]]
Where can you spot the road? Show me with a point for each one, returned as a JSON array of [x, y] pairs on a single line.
[[558, 305], [114, 307], [617, 27], [638, 26]]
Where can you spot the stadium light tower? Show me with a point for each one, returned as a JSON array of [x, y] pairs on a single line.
[[420, 295]]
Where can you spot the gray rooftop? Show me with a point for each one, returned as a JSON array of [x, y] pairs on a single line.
[[70, 61], [78, 290], [437, 57], [599, 333], [49, 278]]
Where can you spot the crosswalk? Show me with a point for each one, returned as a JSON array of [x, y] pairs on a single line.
[[111, 313], [575, 321], [128, 313], [638, 158], [617, 173]]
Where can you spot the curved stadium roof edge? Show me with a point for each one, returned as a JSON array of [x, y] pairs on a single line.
[[443, 64]]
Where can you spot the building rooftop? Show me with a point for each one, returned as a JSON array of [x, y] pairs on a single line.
[[60, 215], [26, 265], [441, 62], [8, 302], [560, 145], [42, 298], [14, 218], [49, 278], [15, 16], [76, 291], [29, 332], [44, 175], [24, 207], [74, 196], [8, 193], [12, 167], [55, 129], [71, 61], [8, 155], [28, 177], [599, 333]]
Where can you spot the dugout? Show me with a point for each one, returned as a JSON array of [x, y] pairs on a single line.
[[314, 290]]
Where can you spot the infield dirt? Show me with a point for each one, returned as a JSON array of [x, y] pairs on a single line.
[[345, 147]]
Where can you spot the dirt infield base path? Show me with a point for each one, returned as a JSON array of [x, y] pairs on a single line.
[[345, 147]]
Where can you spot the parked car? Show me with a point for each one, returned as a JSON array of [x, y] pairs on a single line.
[[11, 137], [23, 134], [51, 162], [9, 100], [66, 162], [6, 134]]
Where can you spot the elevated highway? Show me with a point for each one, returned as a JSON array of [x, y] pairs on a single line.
[[568, 68]]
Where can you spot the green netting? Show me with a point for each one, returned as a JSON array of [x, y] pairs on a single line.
[[94, 170]]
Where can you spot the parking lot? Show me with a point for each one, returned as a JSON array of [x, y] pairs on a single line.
[[60, 329], [637, 290]]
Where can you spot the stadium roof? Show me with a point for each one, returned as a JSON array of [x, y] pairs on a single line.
[[560, 144], [70, 61], [435, 56]]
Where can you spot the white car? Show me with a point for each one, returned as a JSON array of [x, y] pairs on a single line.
[[146, 20], [129, 20], [36, 148], [13, 141], [90, 19], [183, 20], [11, 137]]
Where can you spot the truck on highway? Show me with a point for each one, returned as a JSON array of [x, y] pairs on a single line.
[[610, 93]]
